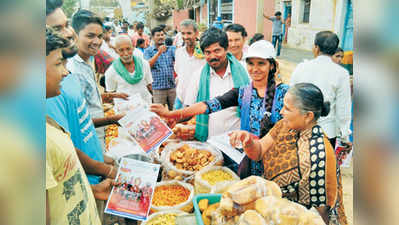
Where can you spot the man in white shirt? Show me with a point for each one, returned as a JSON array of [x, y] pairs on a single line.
[[130, 77], [108, 42], [187, 60], [224, 73], [237, 36], [333, 80]]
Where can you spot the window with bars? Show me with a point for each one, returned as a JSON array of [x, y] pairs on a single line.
[[306, 11]]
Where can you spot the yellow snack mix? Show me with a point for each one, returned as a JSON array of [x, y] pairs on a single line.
[[215, 176], [166, 219]]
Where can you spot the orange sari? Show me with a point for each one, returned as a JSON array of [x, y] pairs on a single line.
[[304, 166]]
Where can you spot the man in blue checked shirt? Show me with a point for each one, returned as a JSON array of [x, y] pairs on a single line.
[[161, 59]]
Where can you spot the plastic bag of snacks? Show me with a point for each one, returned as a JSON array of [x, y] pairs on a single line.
[[164, 218], [184, 132], [172, 195], [183, 160], [156, 155], [214, 179]]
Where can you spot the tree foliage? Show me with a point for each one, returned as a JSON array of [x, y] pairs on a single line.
[[70, 7]]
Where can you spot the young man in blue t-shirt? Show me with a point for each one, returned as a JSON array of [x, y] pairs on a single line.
[[277, 35]]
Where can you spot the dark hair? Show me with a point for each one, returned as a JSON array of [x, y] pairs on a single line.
[[235, 27], [256, 37], [107, 28], [168, 41], [139, 25], [278, 13], [309, 98], [54, 42], [327, 41], [156, 29], [339, 50], [214, 35], [84, 17], [162, 26], [52, 5], [140, 41], [131, 26]]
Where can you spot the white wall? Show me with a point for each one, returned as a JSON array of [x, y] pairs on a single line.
[[324, 15]]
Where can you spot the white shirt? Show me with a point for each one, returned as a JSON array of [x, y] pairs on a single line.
[[333, 81], [114, 82], [222, 121], [185, 65], [139, 53], [105, 47]]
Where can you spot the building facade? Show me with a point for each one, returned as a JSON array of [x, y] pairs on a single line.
[[311, 16]]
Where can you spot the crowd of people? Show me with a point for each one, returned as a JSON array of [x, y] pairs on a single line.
[[231, 84]]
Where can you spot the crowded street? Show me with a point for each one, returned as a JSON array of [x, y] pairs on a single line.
[[207, 112]]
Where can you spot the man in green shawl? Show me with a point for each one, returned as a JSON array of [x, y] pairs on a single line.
[[221, 73], [129, 73]]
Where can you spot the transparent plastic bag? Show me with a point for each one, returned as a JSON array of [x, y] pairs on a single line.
[[252, 188], [203, 186], [171, 171], [156, 155], [186, 206], [155, 218], [251, 217]]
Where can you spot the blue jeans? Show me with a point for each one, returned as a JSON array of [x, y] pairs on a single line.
[[280, 40]]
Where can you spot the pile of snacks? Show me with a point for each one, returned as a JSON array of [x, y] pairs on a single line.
[[184, 131], [164, 218], [257, 201], [191, 159], [172, 195], [215, 179], [207, 210], [111, 131], [182, 160]]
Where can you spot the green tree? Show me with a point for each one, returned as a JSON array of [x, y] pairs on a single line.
[[69, 7]]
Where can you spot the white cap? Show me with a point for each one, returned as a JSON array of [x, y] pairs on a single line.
[[261, 49]]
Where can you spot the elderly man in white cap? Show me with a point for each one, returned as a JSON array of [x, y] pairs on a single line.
[[259, 102]]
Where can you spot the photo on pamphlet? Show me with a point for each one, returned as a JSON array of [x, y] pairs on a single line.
[[146, 128], [132, 195]]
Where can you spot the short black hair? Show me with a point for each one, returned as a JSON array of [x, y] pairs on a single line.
[[278, 13], [168, 41], [339, 50], [156, 29], [162, 26], [84, 17], [140, 41], [54, 42], [256, 37], [139, 25], [214, 35], [131, 26], [107, 28], [327, 41], [52, 5], [235, 27]]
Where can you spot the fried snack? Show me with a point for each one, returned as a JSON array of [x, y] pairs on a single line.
[[203, 204], [251, 217], [111, 131], [170, 195], [207, 213], [190, 159]]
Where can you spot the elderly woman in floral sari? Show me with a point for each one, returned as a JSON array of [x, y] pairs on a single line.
[[298, 156]]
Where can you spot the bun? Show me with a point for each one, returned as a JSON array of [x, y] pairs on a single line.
[[325, 109]]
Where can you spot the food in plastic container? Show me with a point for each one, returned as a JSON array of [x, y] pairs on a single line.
[[156, 155], [184, 132], [172, 195], [164, 218], [251, 217], [182, 160], [214, 179]]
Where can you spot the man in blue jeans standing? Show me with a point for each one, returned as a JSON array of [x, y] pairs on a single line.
[[277, 34]]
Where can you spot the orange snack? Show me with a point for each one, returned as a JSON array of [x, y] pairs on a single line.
[[170, 195]]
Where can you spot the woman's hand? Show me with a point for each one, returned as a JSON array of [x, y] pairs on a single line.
[[241, 138], [102, 190], [161, 110]]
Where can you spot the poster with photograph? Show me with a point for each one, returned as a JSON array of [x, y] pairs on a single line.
[[146, 128], [131, 197], [123, 106]]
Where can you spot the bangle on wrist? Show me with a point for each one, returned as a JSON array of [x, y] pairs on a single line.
[[110, 170]]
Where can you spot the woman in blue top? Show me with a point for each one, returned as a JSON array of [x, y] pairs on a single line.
[[260, 102]]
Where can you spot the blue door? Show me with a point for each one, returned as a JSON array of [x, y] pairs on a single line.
[[287, 10], [347, 39]]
